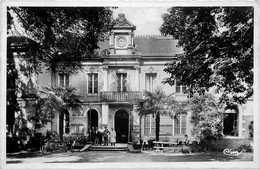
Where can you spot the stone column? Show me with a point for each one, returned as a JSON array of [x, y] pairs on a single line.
[[104, 114], [105, 78], [137, 75], [136, 118], [136, 135]]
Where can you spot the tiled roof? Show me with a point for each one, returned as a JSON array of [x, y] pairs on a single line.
[[152, 45], [156, 45]]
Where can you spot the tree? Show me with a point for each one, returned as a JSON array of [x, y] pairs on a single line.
[[57, 38], [206, 117], [217, 47], [64, 35], [157, 103], [153, 103], [54, 101]]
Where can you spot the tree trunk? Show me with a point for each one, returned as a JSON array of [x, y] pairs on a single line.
[[61, 124], [157, 126]]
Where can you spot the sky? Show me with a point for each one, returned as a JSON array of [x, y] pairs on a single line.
[[146, 19]]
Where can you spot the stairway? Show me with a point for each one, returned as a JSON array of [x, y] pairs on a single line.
[[117, 147]]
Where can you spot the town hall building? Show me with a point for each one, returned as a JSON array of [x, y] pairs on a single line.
[[128, 65]]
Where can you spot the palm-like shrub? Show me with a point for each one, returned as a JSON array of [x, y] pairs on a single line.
[[55, 101], [158, 103]]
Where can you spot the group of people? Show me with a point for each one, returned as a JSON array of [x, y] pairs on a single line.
[[101, 136]]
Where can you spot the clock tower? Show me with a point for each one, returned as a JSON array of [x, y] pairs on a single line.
[[121, 37]]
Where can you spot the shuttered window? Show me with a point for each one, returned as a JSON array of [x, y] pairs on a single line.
[[121, 82], [180, 125], [63, 80], [93, 83]]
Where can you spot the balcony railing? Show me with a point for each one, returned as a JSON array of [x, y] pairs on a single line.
[[120, 96]]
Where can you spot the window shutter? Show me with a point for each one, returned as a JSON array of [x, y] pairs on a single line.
[[67, 81]]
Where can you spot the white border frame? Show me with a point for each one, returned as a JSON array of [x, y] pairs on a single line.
[[134, 3]]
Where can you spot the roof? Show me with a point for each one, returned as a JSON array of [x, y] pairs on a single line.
[[152, 45], [157, 45]]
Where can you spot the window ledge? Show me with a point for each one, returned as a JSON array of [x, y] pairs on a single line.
[[92, 94], [231, 137]]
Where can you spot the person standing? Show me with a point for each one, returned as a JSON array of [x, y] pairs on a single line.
[[100, 134], [105, 135], [93, 135], [96, 136], [113, 137], [89, 134]]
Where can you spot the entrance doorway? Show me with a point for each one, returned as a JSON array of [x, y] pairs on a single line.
[[121, 126], [92, 118], [231, 122]]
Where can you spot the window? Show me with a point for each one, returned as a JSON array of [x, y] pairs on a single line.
[[150, 81], [149, 125], [121, 82], [93, 83], [77, 129], [180, 125], [180, 88], [64, 80], [67, 123]]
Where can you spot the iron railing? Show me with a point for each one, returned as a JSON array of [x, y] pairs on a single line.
[[113, 96]]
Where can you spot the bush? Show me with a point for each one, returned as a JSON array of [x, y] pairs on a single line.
[[245, 147], [206, 117], [251, 129]]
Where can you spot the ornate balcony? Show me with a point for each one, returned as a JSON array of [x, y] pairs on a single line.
[[110, 96]]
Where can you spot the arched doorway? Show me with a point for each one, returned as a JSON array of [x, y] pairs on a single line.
[[92, 118], [231, 121], [121, 126]]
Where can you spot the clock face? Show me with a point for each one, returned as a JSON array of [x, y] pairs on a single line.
[[121, 41]]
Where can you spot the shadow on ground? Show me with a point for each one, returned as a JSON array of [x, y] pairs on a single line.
[[122, 156]]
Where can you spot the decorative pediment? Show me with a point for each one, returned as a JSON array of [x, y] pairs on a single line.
[[122, 22]]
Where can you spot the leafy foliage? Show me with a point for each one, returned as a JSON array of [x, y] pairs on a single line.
[[251, 129], [218, 50], [64, 35], [206, 117], [53, 101], [152, 104], [157, 103]]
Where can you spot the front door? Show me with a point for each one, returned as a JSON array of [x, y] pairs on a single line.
[[92, 118], [121, 126]]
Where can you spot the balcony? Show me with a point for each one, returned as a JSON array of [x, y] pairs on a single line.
[[120, 96]]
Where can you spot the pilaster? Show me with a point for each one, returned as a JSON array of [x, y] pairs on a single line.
[[137, 75], [104, 114], [105, 85]]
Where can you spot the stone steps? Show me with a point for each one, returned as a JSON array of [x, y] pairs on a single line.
[[117, 147], [107, 148]]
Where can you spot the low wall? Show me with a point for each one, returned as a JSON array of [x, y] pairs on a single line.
[[221, 144]]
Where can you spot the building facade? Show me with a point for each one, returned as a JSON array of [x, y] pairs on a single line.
[[109, 85]]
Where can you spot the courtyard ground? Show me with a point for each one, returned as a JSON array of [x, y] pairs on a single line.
[[121, 156]]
